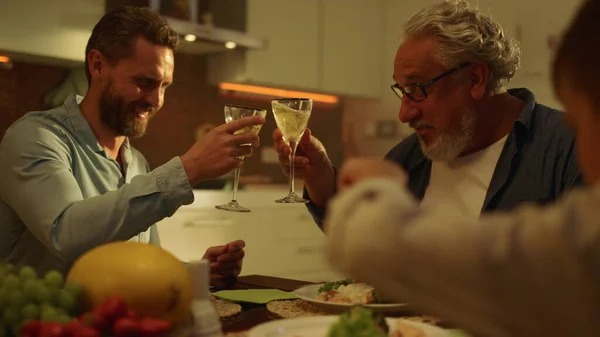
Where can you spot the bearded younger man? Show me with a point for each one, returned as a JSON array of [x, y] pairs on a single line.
[[70, 179], [477, 146]]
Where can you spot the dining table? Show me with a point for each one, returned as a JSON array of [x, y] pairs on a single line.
[[252, 315], [255, 314]]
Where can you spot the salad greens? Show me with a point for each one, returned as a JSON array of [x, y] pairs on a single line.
[[378, 298], [359, 322], [334, 285]]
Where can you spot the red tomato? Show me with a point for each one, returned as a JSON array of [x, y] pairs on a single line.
[[87, 332], [126, 327], [94, 320], [52, 330], [154, 327], [113, 308], [31, 328], [73, 326]]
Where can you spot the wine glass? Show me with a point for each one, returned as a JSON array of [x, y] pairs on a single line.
[[291, 116], [233, 112]]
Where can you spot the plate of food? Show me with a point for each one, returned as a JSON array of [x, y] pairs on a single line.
[[359, 321], [342, 295]]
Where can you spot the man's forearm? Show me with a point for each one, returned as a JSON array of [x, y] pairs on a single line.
[[322, 188], [70, 225], [120, 214]]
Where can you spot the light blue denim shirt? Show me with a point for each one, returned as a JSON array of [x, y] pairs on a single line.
[[61, 195]]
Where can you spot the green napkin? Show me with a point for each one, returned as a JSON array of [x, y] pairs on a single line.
[[258, 296]]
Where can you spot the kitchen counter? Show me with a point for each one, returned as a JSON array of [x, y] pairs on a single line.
[[282, 240]]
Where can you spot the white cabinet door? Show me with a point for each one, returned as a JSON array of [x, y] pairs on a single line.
[[291, 28], [56, 31], [352, 47], [537, 22]]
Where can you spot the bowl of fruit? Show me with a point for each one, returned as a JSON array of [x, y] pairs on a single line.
[[32, 306], [119, 289]]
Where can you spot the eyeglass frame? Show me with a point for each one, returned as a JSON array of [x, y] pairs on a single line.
[[423, 86]]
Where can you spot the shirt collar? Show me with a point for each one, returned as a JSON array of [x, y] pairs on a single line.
[[79, 124], [84, 131], [526, 117], [126, 155]]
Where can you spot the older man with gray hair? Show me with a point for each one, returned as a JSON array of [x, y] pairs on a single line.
[[529, 272], [477, 146]]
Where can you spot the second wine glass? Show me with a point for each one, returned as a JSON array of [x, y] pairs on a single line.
[[234, 112], [291, 116]]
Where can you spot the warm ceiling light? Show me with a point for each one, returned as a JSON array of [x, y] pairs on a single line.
[[230, 45], [4, 59], [278, 92], [190, 37]]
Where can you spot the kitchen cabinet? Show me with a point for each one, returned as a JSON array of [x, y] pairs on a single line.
[[291, 28], [352, 47], [331, 46], [536, 23], [48, 32]]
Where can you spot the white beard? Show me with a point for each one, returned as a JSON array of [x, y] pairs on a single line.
[[448, 146]]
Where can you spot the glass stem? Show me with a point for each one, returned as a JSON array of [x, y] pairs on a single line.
[[236, 181], [293, 146]]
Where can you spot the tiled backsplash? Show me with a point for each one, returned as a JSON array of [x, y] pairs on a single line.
[[23, 88]]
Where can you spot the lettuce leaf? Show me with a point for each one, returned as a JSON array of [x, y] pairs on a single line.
[[359, 322], [334, 285]]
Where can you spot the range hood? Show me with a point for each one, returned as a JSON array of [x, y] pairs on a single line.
[[205, 37]]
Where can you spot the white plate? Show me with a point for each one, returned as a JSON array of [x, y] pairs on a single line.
[[318, 326], [310, 293]]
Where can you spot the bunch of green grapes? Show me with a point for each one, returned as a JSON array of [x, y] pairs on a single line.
[[25, 296]]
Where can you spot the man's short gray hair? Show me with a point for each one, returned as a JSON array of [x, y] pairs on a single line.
[[464, 34]]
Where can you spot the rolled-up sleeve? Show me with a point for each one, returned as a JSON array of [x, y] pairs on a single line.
[[39, 185], [533, 272]]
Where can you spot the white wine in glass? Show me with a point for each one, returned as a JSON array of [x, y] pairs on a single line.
[[233, 112], [291, 116]]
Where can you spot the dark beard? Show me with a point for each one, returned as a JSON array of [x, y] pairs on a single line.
[[121, 117]]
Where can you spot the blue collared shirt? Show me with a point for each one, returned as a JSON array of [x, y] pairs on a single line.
[[537, 164], [62, 195]]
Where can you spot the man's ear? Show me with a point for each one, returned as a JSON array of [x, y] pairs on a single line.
[[97, 64], [479, 76]]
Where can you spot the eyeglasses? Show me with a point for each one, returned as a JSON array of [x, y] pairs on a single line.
[[416, 91]]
